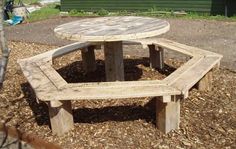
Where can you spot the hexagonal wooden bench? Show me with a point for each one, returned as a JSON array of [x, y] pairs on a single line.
[[50, 87]]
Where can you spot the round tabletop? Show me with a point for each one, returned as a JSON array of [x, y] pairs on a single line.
[[112, 28]]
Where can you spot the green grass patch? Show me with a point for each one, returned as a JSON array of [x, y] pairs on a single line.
[[152, 12], [27, 1], [47, 12]]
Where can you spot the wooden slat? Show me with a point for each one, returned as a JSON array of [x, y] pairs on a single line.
[[189, 50], [47, 56], [46, 91], [171, 45], [52, 75], [37, 79], [116, 92], [177, 73], [115, 84], [190, 77]]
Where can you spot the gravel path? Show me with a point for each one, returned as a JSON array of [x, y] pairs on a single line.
[[217, 36]]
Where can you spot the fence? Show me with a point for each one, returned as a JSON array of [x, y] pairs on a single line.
[[208, 6]]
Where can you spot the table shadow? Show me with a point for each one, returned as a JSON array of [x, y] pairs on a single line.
[[74, 73]]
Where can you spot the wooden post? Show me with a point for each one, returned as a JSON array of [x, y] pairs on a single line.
[[205, 84], [61, 117], [167, 114], [114, 65], [88, 57], [156, 57]]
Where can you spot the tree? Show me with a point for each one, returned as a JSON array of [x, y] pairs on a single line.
[[4, 48]]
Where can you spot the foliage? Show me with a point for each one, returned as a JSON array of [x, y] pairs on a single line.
[[103, 12], [44, 13], [26, 1]]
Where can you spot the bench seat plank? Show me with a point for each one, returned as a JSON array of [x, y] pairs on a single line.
[[118, 92], [189, 78]]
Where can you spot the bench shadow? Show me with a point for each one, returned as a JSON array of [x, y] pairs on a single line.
[[91, 115], [98, 115], [39, 109], [116, 113]]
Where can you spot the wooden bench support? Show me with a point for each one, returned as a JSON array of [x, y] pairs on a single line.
[[205, 84], [156, 57], [167, 114], [88, 57], [113, 52], [61, 118]]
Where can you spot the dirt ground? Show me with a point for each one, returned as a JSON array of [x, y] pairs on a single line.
[[208, 119], [216, 36]]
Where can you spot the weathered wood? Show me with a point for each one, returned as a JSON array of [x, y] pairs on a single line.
[[205, 84], [156, 55], [88, 57], [117, 92], [177, 73], [112, 28], [47, 56], [189, 50], [167, 114], [48, 87], [61, 118], [192, 75], [38, 80], [52, 75], [114, 65]]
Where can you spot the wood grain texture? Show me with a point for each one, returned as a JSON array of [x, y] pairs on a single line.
[[49, 86], [61, 118], [175, 46], [88, 57], [112, 28], [167, 114], [192, 75], [114, 64], [156, 55], [205, 84]]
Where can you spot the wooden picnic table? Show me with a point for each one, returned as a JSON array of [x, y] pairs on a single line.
[[110, 31]]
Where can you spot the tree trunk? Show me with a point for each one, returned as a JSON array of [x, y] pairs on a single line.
[[5, 51]]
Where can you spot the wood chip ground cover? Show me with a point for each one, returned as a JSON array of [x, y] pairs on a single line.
[[208, 119]]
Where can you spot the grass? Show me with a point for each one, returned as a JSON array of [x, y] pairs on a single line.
[[47, 12], [27, 1], [53, 10], [152, 13]]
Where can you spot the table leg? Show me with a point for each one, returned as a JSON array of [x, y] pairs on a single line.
[[156, 57], [114, 65], [88, 57]]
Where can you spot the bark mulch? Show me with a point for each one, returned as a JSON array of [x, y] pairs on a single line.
[[208, 119]]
